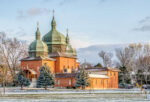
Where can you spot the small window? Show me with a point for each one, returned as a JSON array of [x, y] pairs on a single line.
[[69, 81], [101, 81], [65, 70], [96, 81], [58, 82], [72, 70]]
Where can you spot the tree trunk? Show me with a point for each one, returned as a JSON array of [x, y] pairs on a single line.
[[83, 87], [21, 87], [4, 86], [45, 87]]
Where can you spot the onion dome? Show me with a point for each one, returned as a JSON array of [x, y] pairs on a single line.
[[74, 52], [38, 48], [69, 48], [54, 36], [67, 38]]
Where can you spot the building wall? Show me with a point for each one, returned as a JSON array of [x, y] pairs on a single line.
[[51, 64], [113, 80], [95, 83], [58, 67], [36, 65], [65, 82], [67, 63], [98, 83]]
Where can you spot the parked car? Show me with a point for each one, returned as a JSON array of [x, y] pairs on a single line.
[[126, 86], [146, 86]]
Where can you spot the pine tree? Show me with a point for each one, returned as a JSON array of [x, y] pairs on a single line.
[[98, 65], [22, 80], [124, 76], [82, 79], [46, 78]]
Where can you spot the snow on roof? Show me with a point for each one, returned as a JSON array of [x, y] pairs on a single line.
[[98, 76]]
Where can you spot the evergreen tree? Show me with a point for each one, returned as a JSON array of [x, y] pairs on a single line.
[[46, 78], [98, 65], [22, 80], [124, 76], [82, 79]]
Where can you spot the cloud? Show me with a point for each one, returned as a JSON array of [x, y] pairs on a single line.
[[101, 1], [47, 0], [77, 43], [143, 28], [21, 14], [19, 32], [38, 11], [90, 53], [145, 20], [62, 2], [59, 2], [144, 25], [32, 12]]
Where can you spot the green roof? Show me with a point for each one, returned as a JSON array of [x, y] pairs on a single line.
[[54, 36], [38, 47]]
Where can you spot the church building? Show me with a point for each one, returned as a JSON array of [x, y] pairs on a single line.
[[55, 50]]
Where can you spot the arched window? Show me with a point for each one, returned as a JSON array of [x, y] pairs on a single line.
[[58, 82], [69, 81], [65, 70], [72, 69]]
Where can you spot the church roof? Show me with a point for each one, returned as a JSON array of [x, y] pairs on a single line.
[[61, 54], [101, 69], [54, 36], [65, 75], [97, 76], [37, 47], [37, 58]]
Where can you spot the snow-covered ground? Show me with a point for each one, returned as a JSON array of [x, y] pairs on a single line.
[[59, 91], [70, 95]]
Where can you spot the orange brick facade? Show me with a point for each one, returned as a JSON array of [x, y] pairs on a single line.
[[95, 83], [61, 63], [57, 66]]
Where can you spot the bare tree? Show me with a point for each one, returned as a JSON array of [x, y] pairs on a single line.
[[144, 62], [11, 51], [3, 73], [86, 65], [135, 57], [107, 58]]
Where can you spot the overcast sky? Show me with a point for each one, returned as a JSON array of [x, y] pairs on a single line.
[[89, 22]]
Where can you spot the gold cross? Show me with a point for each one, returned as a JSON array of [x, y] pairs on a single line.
[[37, 24], [53, 12], [67, 30]]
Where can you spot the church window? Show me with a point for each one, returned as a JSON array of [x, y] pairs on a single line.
[[101, 81], [69, 81], [96, 81], [72, 70], [58, 82], [65, 70]]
